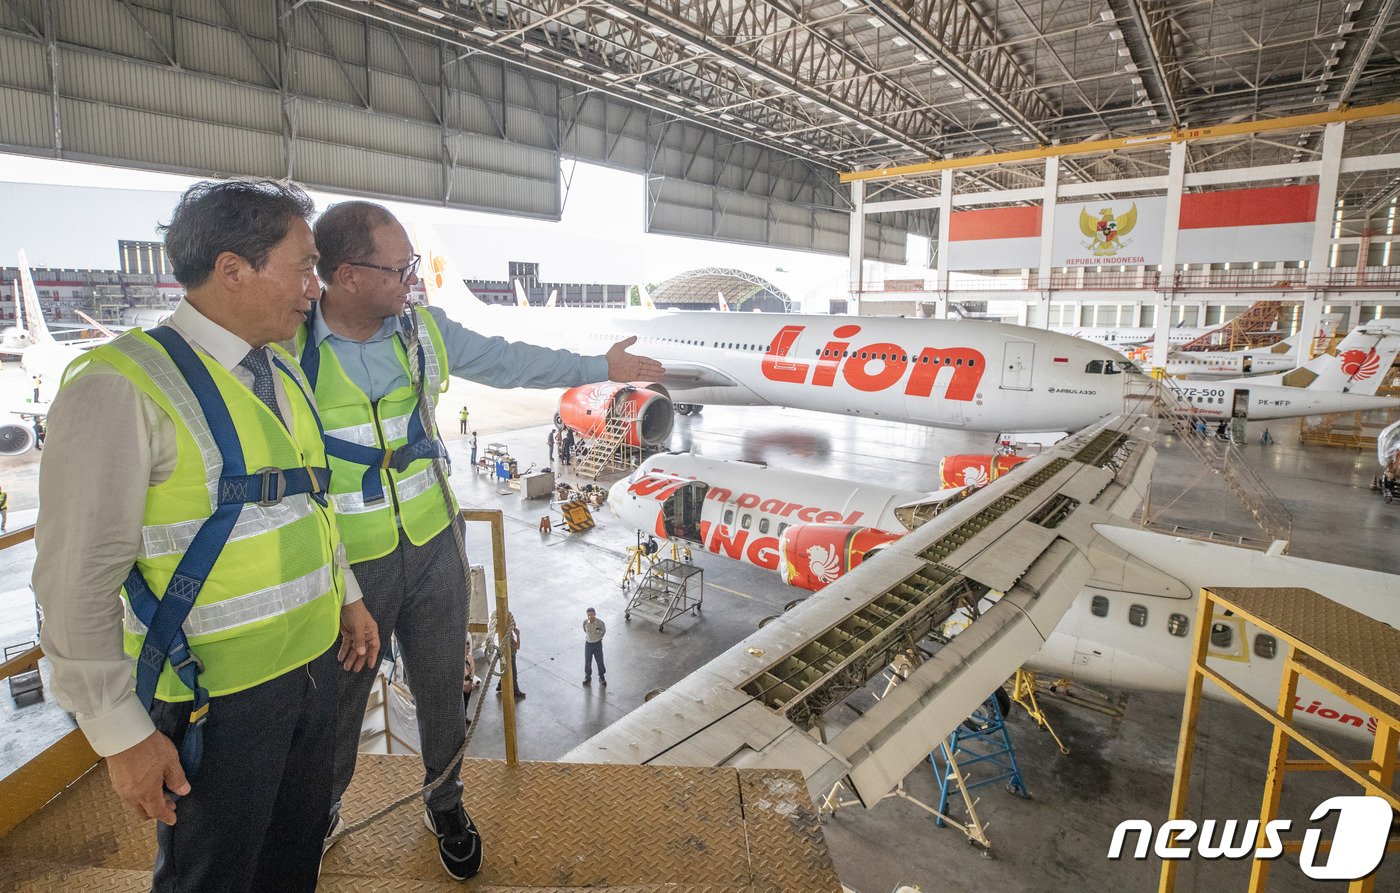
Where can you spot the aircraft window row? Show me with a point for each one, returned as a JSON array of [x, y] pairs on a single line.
[[1221, 634], [1197, 398], [903, 358]]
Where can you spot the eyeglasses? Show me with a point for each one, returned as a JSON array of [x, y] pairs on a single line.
[[405, 273]]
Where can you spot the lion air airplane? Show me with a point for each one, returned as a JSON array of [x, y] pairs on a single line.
[[940, 373], [814, 530]]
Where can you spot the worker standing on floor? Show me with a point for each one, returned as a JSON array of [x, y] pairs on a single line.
[[192, 546], [378, 371]]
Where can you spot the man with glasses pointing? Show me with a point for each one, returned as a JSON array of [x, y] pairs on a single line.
[[378, 370]]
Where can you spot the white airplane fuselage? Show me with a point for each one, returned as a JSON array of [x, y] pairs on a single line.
[[1108, 637], [941, 373]]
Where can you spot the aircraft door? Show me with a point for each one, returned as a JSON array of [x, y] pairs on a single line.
[[1017, 365], [680, 513], [1239, 407]]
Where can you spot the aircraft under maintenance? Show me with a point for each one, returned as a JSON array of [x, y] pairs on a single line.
[[1126, 626]]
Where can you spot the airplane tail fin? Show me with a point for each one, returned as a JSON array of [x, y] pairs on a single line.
[[723, 304], [521, 299], [1360, 364], [553, 298], [442, 282], [29, 301]]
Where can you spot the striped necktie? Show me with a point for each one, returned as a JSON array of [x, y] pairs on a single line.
[[256, 363]]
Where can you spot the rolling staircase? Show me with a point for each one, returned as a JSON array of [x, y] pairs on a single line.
[[610, 451], [1161, 399]]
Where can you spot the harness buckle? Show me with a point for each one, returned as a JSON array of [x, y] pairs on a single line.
[[273, 487], [192, 659]]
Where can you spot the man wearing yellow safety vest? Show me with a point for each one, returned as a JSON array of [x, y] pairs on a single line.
[[187, 542], [378, 371]]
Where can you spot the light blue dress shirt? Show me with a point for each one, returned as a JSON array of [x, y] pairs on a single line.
[[373, 365]]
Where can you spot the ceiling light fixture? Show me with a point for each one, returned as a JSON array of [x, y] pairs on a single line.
[[900, 41], [432, 13], [1106, 16], [573, 63], [920, 57], [875, 22], [1116, 34], [530, 47], [484, 32]]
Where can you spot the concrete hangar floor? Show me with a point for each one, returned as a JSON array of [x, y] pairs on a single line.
[[1118, 767]]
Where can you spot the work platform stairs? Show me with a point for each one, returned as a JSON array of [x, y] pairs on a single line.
[[669, 589], [610, 451], [1161, 399]]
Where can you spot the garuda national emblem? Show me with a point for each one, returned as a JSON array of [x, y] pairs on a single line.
[[1107, 232]]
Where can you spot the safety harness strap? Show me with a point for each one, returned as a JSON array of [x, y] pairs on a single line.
[[164, 617], [375, 459]]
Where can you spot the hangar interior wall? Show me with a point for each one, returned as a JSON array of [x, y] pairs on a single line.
[[338, 101]]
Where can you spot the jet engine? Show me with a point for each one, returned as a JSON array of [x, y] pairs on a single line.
[[814, 555], [16, 440], [975, 470], [645, 406]]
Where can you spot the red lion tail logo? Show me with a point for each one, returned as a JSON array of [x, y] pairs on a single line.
[[1359, 365]]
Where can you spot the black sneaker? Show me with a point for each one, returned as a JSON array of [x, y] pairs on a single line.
[[603, 680], [587, 680], [337, 825], [459, 844]]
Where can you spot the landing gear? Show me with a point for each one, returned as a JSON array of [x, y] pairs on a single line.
[[687, 408]]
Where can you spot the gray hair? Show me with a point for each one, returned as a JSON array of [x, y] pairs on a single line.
[[345, 234], [245, 216]]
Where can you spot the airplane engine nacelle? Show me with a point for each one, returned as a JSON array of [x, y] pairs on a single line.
[[814, 555], [969, 470], [16, 440], [585, 409]]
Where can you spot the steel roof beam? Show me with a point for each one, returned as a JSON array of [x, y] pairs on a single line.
[[1363, 57], [1154, 51]]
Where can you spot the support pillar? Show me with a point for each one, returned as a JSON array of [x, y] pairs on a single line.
[[945, 230], [1324, 219], [1171, 227], [1047, 239], [856, 250]]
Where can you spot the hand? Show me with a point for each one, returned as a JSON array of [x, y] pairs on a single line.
[[359, 637], [623, 366], [142, 773]]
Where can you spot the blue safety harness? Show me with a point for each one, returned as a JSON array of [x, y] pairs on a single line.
[[376, 459], [164, 617]]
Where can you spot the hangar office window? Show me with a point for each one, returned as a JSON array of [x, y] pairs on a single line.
[[1137, 615], [745, 520], [1265, 646], [1221, 635], [1098, 606], [1178, 625], [762, 525], [729, 516]]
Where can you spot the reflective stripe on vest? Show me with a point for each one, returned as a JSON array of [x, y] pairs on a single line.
[[412, 499], [271, 602]]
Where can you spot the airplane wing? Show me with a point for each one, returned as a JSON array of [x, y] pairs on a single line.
[[687, 376], [1029, 537]]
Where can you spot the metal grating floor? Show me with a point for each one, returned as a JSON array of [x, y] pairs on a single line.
[[547, 827]]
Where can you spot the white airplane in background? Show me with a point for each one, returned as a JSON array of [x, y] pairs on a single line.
[[813, 530], [940, 373], [1344, 382], [1278, 357], [974, 376], [43, 362], [523, 300]]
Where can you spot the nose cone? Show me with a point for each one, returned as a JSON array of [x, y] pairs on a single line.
[[617, 496]]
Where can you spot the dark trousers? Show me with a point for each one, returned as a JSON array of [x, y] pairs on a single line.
[[418, 594], [257, 811], [593, 651]]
